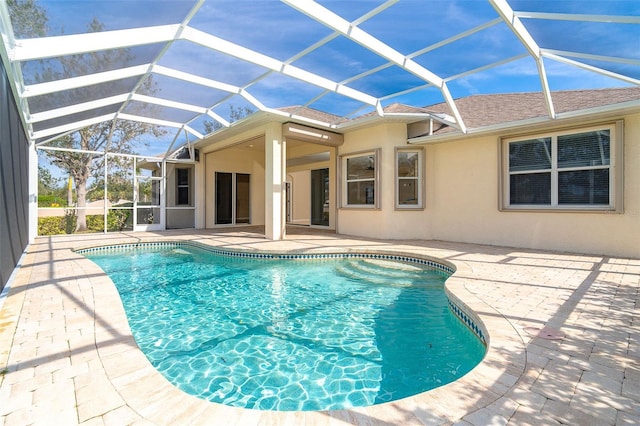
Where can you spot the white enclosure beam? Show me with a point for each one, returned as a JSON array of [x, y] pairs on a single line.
[[78, 125], [218, 118], [236, 51], [167, 103], [49, 47], [508, 16], [578, 64], [617, 19], [194, 132], [73, 109], [195, 79], [353, 32], [513, 22], [83, 81], [602, 58], [149, 120]]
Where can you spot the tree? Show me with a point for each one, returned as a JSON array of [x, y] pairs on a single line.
[[235, 114], [27, 18], [119, 136]]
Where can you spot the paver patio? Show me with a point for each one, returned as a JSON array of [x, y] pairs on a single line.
[[564, 340]]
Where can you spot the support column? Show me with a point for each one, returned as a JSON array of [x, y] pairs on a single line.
[[274, 170]]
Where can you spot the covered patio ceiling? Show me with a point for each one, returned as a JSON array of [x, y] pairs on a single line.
[[187, 65]]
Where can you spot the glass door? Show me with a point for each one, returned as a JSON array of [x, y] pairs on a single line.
[[320, 197], [148, 201], [232, 205]]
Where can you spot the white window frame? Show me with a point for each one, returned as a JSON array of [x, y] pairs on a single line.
[[344, 180], [418, 179], [187, 186], [615, 168]]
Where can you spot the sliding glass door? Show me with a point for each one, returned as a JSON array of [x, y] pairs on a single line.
[[232, 198], [320, 197]]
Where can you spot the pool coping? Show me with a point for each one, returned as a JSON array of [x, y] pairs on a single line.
[[110, 381], [447, 403]]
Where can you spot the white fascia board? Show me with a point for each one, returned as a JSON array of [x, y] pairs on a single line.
[[48, 47], [168, 103], [83, 81], [192, 78], [148, 120], [73, 109], [77, 125]]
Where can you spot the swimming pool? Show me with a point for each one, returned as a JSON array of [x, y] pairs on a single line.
[[291, 332]]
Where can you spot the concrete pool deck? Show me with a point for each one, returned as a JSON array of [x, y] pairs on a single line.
[[564, 334]]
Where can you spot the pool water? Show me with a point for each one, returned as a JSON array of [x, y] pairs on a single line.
[[291, 334]]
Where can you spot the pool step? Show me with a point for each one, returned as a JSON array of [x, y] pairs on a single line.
[[376, 274]]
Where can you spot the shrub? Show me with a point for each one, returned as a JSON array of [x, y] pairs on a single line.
[[52, 225]]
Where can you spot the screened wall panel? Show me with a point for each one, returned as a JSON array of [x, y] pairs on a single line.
[[14, 183]]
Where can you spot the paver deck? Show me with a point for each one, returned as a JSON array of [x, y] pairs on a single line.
[[564, 343]]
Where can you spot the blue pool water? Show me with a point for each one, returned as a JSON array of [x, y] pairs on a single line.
[[290, 334]]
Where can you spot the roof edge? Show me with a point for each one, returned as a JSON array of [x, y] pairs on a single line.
[[586, 114]]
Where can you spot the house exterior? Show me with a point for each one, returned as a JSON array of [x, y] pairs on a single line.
[[514, 178]]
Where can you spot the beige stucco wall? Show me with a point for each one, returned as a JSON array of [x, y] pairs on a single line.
[[462, 186], [385, 222]]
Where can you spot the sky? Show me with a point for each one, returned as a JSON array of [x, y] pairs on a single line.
[[414, 28]]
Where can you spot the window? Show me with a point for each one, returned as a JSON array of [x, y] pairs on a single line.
[[409, 179], [360, 181], [563, 170], [182, 187]]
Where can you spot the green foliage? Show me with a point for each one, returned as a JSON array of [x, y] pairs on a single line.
[[52, 225], [117, 220], [51, 201], [27, 18]]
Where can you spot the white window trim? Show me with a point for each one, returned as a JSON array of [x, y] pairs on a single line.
[[616, 174], [342, 169], [188, 186], [419, 179]]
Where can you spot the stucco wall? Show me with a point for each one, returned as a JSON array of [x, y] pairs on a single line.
[[464, 190], [462, 186], [385, 222]]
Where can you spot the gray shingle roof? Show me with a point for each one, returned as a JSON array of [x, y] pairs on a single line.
[[487, 110]]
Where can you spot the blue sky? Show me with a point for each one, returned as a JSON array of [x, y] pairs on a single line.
[[275, 29]]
